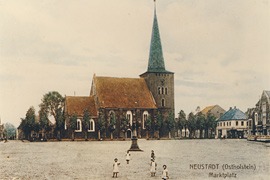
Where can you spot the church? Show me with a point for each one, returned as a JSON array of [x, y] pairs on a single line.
[[134, 100]]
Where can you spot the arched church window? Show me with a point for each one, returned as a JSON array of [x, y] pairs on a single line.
[[162, 90], [159, 90], [162, 102], [91, 126], [79, 125], [129, 117], [145, 116]]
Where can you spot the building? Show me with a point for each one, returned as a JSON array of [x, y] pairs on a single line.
[[232, 124], [134, 99], [215, 110], [259, 117]]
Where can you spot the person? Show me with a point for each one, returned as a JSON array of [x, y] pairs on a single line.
[[165, 173], [153, 168], [115, 167], [128, 157], [152, 155]]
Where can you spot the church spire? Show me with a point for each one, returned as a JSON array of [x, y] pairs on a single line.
[[156, 60]]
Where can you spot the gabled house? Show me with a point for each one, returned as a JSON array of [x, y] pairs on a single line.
[[232, 124]]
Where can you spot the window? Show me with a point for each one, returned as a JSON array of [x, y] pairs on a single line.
[[166, 90], [129, 117], [91, 126], [159, 90], [230, 123], [224, 124], [162, 102], [162, 90], [242, 123], [256, 118], [227, 123], [78, 126], [236, 123], [145, 116]]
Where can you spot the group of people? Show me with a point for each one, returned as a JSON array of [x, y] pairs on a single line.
[[153, 166]]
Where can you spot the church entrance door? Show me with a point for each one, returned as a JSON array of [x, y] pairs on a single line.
[[128, 133]]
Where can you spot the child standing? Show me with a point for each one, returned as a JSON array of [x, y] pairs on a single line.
[[152, 155], [128, 157], [115, 167], [153, 166], [165, 173]]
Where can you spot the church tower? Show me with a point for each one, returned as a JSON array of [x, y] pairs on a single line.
[[159, 81]]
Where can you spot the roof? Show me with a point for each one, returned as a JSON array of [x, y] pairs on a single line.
[[207, 109], [78, 104], [233, 114], [123, 93], [156, 61], [268, 93]]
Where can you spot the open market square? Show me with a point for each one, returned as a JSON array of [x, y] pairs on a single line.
[[185, 159]]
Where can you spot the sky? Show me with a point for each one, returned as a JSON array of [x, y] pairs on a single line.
[[219, 50]]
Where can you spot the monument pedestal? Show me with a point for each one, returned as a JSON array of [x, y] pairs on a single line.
[[134, 144]]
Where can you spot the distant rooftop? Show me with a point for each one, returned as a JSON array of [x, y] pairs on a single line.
[[233, 114]]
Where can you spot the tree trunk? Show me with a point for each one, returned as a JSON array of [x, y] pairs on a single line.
[[201, 133], [111, 136], [58, 135], [185, 132], [98, 134], [73, 136], [147, 134], [86, 135], [158, 134], [169, 134]]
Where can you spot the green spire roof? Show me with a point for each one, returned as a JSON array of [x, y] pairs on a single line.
[[156, 60]]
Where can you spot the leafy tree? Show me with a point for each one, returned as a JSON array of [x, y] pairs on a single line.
[[148, 125], [200, 122], [112, 124], [158, 123], [182, 122], [86, 123], [124, 126], [10, 130], [44, 122], [52, 103], [60, 122], [191, 124], [100, 125], [212, 124], [170, 123], [73, 124], [28, 122]]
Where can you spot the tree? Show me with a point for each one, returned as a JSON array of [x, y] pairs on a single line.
[[60, 122], [28, 122], [112, 124], [158, 123], [212, 124], [10, 130], [124, 126], [170, 123], [148, 125], [73, 124], [100, 125], [44, 122], [86, 123], [200, 122], [191, 124], [182, 122], [52, 103]]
